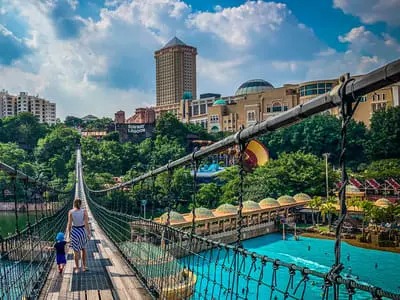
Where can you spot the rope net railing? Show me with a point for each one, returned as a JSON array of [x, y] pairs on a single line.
[[178, 264], [26, 255]]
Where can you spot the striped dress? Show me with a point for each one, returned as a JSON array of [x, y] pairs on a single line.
[[78, 233]]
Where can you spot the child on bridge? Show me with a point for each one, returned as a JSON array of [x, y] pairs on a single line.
[[60, 251]]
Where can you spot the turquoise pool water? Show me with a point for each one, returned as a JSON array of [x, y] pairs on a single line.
[[215, 279]]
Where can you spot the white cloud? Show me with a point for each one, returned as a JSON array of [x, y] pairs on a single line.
[[365, 42], [371, 11], [239, 25], [110, 65]]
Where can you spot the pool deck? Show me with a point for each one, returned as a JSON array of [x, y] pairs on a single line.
[[352, 242]]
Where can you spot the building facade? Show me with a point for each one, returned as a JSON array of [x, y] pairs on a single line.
[[257, 100], [136, 128], [175, 75], [11, 105], [379, 100]]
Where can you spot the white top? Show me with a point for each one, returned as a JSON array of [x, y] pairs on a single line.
[[78, 218]]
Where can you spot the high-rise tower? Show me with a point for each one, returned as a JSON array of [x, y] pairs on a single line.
[[175, 75]]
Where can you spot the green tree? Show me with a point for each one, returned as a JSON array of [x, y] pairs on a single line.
[[166, 149], [315, 204], [24, 129], [384, 135], [367, 208], [12, 154], [169, 127], [328, 209], [291, 173], [56, 151], [208, 195], [99, 124], [72, 121], [99, 181], [112, 136], [317, 135], [383, 169], [176, 190], [230, 188]]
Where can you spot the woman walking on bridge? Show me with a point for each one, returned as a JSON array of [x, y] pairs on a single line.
[[79, 233]]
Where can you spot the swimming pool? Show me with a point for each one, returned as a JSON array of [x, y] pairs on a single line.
[[214, 280]]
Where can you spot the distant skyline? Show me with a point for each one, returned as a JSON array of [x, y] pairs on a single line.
[[97, 56]]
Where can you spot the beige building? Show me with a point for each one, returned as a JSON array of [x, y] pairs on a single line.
[[381, 99], [257, 100], [8, 104], [175, 75], [11, 105], [254, 101]]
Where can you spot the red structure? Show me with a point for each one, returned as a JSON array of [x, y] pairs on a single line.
[[119, 117], [145, 115]]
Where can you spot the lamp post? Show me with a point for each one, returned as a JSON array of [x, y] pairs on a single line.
[[326, 155], [144, 202]]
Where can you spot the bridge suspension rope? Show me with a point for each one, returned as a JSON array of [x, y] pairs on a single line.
[[24, 258]]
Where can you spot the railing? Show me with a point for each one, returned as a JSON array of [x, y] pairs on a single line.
[[27, 256], [177, 265]]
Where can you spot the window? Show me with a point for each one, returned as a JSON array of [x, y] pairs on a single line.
[[214, 119], [285, 108], [251, 116], [276, 107], [203, 109], [195, 110], [383, 96], [363, 99], [268, 109]]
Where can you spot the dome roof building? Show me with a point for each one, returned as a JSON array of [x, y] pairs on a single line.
[[253, 86], [382, 202], [175, 217], [203, 213], [219, 102], [226, 209], [301, 197], [286, 200], [269, 203], [250, 205]]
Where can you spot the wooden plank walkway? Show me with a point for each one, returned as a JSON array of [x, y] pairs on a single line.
[[109, 277]]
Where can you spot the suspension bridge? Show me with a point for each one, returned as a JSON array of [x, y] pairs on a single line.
[[135, 258]]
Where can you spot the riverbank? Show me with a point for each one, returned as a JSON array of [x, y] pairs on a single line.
[[352, 242]]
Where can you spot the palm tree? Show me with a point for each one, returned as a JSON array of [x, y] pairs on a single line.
[[367, 208], [312, 205], [315, 203], [328, 209]]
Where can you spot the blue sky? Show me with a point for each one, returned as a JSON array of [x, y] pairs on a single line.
[[96, 56]]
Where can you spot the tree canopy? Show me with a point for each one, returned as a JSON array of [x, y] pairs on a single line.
[[384, 135], [23, 129], [317, 135], [290, 174]]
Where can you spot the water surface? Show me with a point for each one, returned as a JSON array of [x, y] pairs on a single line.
[[214, 269]]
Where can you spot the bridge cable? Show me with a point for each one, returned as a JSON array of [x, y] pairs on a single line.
[[14, 184]]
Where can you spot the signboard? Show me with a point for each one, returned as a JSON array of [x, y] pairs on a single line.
[[136, 128]]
